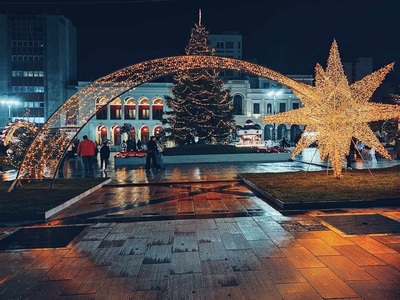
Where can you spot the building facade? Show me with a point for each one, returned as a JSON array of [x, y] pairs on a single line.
[[38, 60], [143, 107]]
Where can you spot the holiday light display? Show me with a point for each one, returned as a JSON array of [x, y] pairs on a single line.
[[334, 112], [51, 142], [200, 107]]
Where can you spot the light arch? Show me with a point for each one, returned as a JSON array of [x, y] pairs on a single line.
[[43, 155]]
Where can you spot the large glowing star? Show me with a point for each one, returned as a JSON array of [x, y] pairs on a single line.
[[334, 112]]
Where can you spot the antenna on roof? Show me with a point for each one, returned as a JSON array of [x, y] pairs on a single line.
[[199, 16]]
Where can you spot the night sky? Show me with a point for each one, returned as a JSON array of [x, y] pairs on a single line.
[[289, 36]]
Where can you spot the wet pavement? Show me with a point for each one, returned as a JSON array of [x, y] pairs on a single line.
[[196, 232]]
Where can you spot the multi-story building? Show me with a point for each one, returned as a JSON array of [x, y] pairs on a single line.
[[38, 60], [143, 109], [228, 44]]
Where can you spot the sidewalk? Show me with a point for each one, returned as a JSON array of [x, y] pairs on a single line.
[[195, 232]]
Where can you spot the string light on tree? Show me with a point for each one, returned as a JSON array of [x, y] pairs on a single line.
[[201, 109], [334, 112]]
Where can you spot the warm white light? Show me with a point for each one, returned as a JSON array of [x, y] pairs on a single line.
[[337, 112]]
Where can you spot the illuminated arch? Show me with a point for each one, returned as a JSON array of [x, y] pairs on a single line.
[[42, 154], [10, 129]]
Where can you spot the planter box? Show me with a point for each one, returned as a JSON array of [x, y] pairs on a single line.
[[212, 158]]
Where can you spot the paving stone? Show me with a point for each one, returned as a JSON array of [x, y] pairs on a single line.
[[298, 291], [387, 275], [217, 273], [20, 284], [125, 266], [134, 247], [234, 241], [185, 263], [115, 288], [373, 289], [332, 238], [152, 277], [86, 281], [44, 290], [359, 256], [257, 285], [318, 247], [185, 243], [265, 248], [392, 259], [253, 233], [212, 251], [158, 254], [371, 245], [185, 286], [280, 270], [66, 268], [244, 260], [327, 284], [208, 236], [344, 268], [300, 257]]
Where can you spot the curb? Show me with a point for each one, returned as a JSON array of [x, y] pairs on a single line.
[[353, 203], [42, 216]]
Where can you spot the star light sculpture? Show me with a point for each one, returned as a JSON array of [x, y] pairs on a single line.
[[335, 112]]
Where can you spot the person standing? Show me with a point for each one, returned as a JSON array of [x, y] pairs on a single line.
[[159, 153], [104, 156], [86, 149], [151, 154]]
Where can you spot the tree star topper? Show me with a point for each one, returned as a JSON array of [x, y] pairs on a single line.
[[334, 112]]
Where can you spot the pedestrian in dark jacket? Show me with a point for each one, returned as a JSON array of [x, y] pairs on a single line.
[[151, 161], [104, 156]]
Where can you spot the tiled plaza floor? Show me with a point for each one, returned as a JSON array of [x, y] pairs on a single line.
[[195, 232]]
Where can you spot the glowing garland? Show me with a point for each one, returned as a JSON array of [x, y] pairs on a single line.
[[42, 155], [334, 112]]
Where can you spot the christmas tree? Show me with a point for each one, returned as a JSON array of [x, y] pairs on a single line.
[[200, 107]]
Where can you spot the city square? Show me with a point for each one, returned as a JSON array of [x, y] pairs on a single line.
[[169, 134]]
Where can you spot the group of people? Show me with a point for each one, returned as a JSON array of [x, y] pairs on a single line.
[[131, 145], [88, 150], [154, 158]]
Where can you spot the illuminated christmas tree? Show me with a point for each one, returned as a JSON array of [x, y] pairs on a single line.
[[200, 107]]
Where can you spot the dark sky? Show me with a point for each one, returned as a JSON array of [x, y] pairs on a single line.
[[289, 36]]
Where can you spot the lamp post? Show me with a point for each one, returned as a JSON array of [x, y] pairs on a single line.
[[274, 93], [10, 101]]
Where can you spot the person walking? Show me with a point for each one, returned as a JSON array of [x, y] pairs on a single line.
[[151, 154], [86, 150], [104, 156], [159, 153]]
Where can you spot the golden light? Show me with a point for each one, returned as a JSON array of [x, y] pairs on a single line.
[[334, 112]]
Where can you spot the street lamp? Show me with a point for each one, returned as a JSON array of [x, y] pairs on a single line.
[[274, 93], [10, 101]]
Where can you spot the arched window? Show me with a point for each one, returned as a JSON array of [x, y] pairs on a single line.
[[101, 113], [144, 109], [157, 109], [116, 135], [238, 104], [130, 108], [144, 135], [281, 131], [101, 134], [157, 130], [268, 132], [115, 109]]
